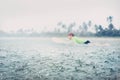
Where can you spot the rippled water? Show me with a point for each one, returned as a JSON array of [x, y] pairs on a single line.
[[42, 59]]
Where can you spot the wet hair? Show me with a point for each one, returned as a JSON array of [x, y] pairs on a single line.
[[71, 34]]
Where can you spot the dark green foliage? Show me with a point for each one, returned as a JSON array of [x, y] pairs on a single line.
[[110, 31]]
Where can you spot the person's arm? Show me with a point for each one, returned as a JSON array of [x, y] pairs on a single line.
[[61, 40]]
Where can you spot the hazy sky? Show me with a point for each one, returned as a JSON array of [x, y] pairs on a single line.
[[16, 14]]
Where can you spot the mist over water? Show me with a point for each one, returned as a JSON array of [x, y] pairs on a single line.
[[43, 59]]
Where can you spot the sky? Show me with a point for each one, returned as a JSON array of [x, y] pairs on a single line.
[[45, 14]]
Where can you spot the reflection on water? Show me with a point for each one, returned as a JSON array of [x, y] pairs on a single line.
[[42, 59]]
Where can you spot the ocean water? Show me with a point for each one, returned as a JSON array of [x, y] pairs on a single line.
[[44, 59]]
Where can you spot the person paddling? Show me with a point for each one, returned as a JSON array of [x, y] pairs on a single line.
[[77, 40]]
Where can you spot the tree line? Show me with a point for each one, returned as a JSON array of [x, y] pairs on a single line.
[[62, 29], [88, 29]]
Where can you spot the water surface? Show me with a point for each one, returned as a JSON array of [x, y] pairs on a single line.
[[43, 59]]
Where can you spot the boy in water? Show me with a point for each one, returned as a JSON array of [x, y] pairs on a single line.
[[75, 39]]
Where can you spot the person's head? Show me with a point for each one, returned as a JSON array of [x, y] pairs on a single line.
[[70, 35]]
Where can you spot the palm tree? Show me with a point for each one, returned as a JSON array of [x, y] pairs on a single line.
[[85, 27], [96, 28], [89, 23], [70, 27], [62, 26], [110, 25], [110, 19]]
